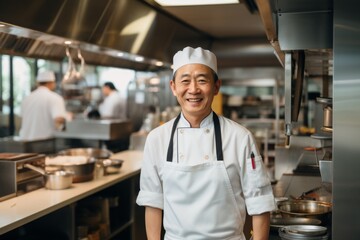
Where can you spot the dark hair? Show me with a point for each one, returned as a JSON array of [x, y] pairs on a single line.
[[215, 76], [152, 109], [110, 85]]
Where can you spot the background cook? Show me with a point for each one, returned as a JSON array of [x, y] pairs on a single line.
[[43, 111], [113, 105]]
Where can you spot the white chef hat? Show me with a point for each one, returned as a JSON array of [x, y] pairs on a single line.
[[194, 55], [46, 76]]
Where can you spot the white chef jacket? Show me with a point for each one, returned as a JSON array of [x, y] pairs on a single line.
[[38, 111], [251, 187], [113, 106]]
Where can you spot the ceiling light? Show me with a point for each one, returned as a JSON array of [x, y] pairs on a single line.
[[159, 63], [139, 58], [194, 2]]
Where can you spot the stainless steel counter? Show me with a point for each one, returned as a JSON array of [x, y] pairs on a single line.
[[13, 144], [90, 129], [20, 210]]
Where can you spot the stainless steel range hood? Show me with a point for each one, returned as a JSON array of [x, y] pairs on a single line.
[[102, 29], [299, 28]]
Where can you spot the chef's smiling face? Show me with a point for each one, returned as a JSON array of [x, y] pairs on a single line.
[[194, 87]]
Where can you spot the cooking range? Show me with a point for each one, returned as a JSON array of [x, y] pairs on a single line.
[[16, 179]]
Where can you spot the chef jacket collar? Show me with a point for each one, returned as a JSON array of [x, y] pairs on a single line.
[[206, 122]]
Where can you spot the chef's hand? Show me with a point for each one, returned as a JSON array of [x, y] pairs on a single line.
[[60, 123]]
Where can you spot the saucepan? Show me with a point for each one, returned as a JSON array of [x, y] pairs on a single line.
[[55, 180]]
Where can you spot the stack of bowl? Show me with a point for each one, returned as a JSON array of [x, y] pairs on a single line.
[[303, 232]]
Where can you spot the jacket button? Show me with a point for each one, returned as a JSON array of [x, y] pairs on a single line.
[[207, 130], [206, 157]]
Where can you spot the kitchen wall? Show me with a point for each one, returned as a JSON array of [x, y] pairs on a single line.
[[346, 119]]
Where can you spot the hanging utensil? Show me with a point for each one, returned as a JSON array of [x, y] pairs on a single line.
[[72, 75]]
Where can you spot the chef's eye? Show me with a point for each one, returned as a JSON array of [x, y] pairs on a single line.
[[185, 81], [202, 81]]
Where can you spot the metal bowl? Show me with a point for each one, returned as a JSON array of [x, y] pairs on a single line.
[[111, 165]]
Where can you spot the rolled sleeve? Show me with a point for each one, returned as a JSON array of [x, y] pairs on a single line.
[[151, 191], [150, 199], [260, 204]]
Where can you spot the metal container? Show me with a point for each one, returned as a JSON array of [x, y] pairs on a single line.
[[111, 166], [55, 180], [306, 208], [58, 180], [327, 114], [303, 232], [84, 172]]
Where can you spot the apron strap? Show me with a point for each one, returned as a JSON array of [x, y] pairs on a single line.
[[171, 143], [218, 141]]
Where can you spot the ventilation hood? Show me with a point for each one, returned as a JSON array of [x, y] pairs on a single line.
[[109, 32], [115, 32], [301, 25]]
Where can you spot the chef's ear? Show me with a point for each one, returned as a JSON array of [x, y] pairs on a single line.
[[172, 86], [217, 86]]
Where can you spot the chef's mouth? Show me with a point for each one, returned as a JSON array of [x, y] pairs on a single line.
[[194, 100]]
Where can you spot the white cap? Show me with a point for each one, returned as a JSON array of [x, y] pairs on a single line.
[[46, 76], [191, 55]]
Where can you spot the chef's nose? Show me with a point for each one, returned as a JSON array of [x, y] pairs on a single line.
[[193, 87]]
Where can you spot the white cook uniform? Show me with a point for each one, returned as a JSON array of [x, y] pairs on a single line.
[[113, 106], [204, 197], [38, 112]]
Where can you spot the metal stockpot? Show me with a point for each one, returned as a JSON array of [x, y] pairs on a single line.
[[327, 114]]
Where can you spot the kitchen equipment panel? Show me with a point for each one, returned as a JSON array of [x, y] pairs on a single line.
[[17, 179]]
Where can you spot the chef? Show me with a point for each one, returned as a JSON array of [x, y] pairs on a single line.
[[43, 111], [113, 105], [201, 172]]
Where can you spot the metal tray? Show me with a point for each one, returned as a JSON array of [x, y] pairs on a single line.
[[305, 230]]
